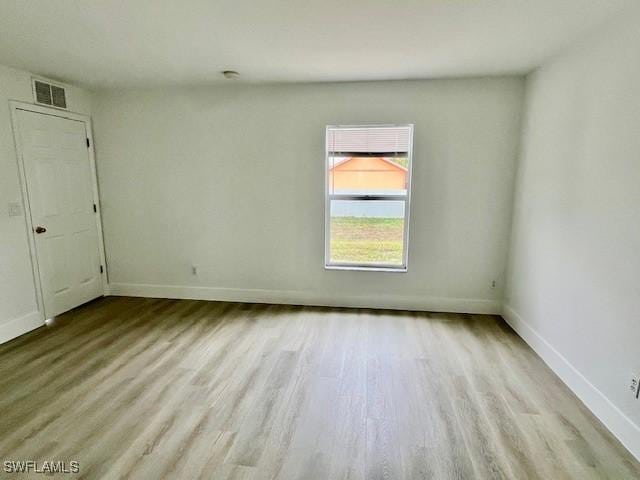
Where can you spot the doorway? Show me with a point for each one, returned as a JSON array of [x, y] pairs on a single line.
[[62, 213]]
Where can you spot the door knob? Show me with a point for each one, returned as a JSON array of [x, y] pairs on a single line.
[[40, 229]]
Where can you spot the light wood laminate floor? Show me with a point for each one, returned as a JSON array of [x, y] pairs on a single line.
[[154, 389]]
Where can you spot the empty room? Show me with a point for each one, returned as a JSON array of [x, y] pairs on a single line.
[[321, 240]]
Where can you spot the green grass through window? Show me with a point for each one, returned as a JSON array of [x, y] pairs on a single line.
[[367, 240]]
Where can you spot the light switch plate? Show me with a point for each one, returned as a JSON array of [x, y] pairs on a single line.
[[15, 209]]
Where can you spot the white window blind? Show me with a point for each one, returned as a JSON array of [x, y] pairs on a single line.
[[368, 139]]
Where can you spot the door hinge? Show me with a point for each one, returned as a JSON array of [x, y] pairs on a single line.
[[88, 143], [95, 209], [101, 269]]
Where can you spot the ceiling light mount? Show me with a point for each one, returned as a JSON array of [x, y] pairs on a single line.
[[231, 74]]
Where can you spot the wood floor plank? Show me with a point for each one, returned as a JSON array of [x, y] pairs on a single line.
[[154, 388]]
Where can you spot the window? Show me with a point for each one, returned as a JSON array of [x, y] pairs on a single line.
[[368, 187]]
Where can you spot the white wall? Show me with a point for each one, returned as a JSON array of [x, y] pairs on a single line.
[[18, 308], [574, 280], [231, 179]]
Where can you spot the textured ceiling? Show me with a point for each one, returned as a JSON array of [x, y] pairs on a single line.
[[105, 44]]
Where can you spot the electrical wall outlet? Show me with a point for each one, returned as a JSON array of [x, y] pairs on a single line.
[[194, 270], [493, 284]]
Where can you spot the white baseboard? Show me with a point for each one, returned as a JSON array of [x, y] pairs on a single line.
[[19, 326], [621, 426], [297, 297]]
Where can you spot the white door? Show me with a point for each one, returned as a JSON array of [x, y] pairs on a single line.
[[59, 181]]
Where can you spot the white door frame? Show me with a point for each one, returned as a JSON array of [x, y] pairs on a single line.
[[15, 106]]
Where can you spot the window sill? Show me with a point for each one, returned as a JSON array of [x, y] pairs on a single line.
[[362, 268]]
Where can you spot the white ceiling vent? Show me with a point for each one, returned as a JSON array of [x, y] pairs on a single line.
[[47, 93]]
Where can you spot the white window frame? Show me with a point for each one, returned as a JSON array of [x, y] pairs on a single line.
[[328, 197]]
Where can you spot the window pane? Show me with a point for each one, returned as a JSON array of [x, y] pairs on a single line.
[[367, 232], [370, 175]]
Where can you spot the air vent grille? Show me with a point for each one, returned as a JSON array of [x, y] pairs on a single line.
[[43, 93], [58, 97], [48, 94]]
